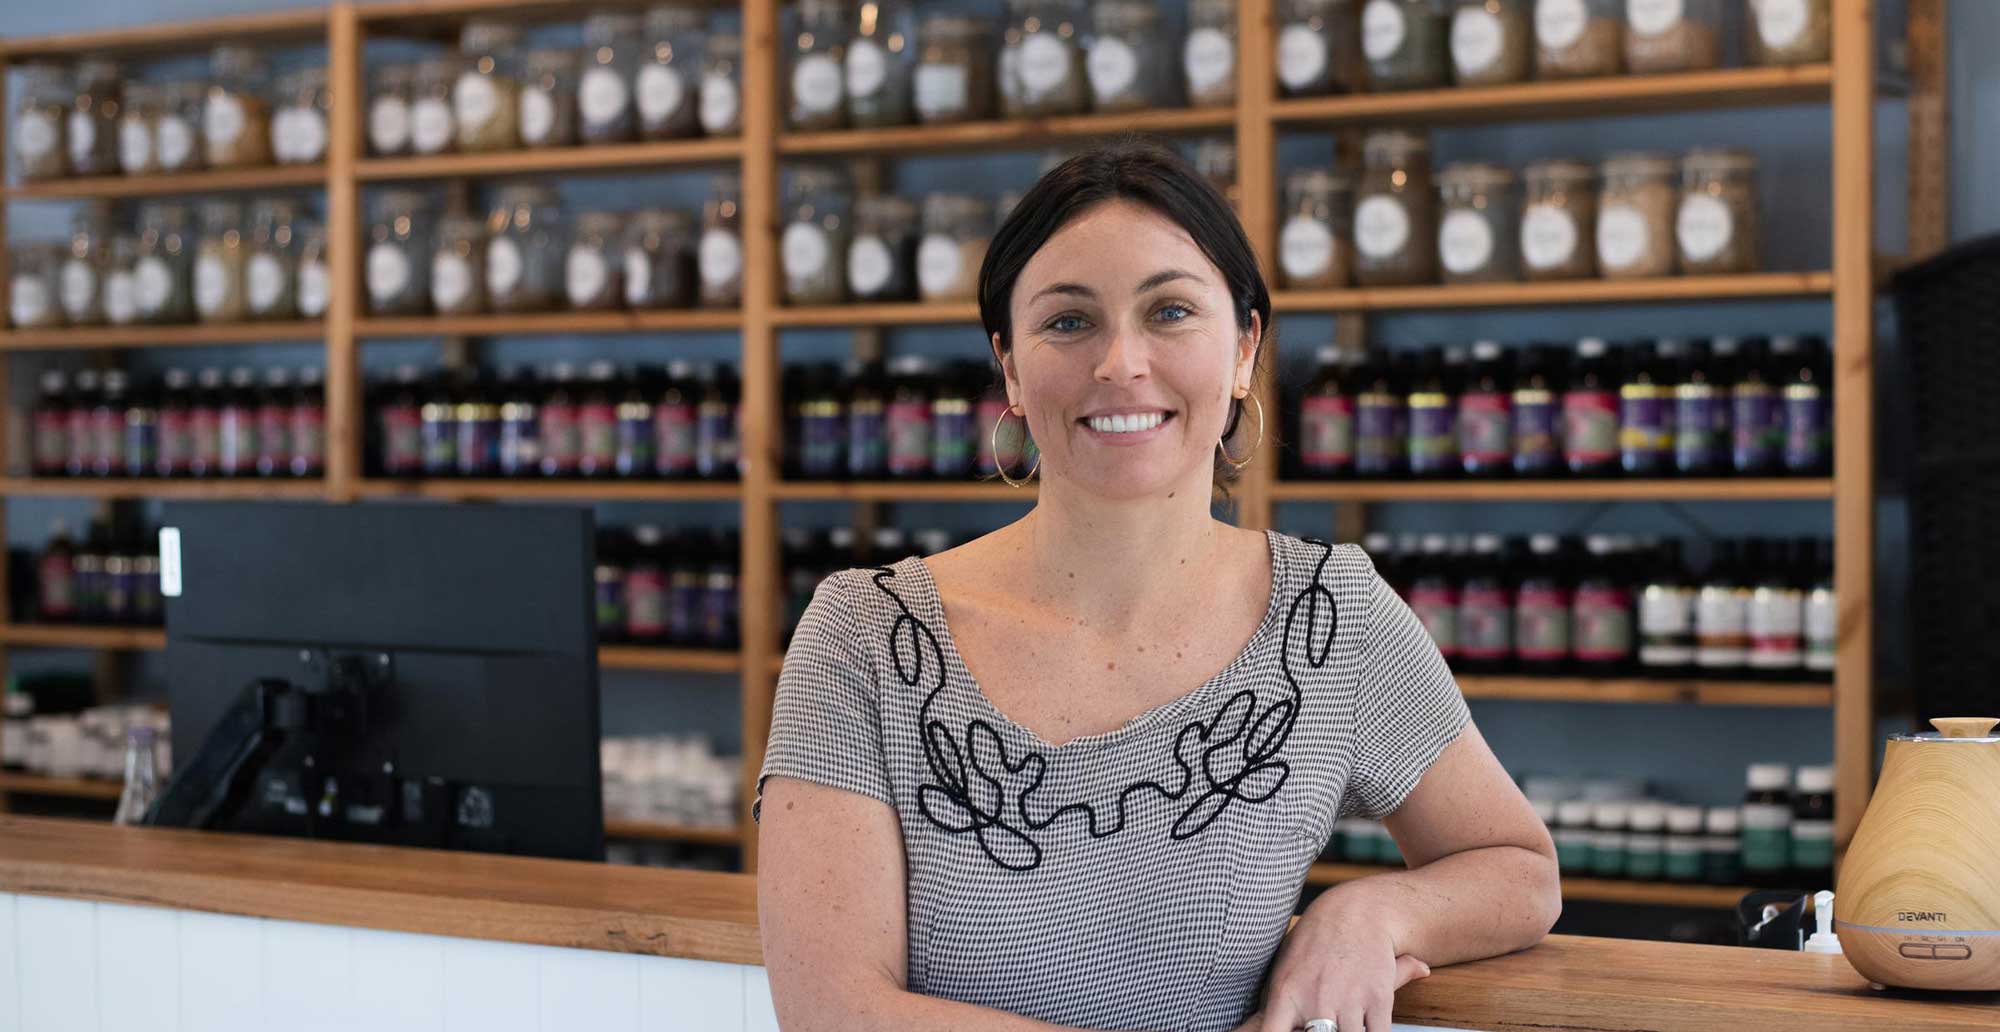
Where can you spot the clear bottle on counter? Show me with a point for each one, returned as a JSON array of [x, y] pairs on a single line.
[[1578, 38], [458, 265], [1476, 230], [1208, 54], [236, 117], [1127, 60], [548, 98], [92, 135], [666, 88], [816, 97], [955, 78], [611, 45], [219, 262], [394, 270], [32, 291], [1717, 225], [882, 258], [1492, 42], [80, 281], [815, 238], [720, 104], [1790, 32], [719, 252], [1316, 241], [41, 122], [1672, 35], [525, 251], [957, 230], [1042, 69], [660, 260], [433, 121], [486, 97], [177, 132], [313, 284], [880, 59], [163, 273], [1405, 43], [1559, 221], [389, 117], [121, 300], [138, 123], [1395, 211], [270, 278], [1635, 216], [592, 272], [299, 126], [1319, 48]]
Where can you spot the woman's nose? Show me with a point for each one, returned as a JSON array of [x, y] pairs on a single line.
[[1124, 358]]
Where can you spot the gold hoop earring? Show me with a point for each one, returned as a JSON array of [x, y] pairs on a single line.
[[1224, 444], [1000, 466]]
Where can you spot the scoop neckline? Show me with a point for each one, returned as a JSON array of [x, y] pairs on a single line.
[[1141, 721]]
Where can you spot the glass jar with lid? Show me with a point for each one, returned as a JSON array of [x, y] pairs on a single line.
[[1395, 211], [486, 98], [1041, 60], [1319, 48], [1478, 213], [882, 259], [721, 102], [548, 98], [80, 282], [1127, 60], [594, 268], [299, 127], [719, 252], [818, 85], [163, 272], [957, 230], [954, 78], [881, 55], [433, 120], [313, 284], [396, 274], [219, 263], [1672, 35], [1635, 215], [1208, 54], [138, 119], [1215, 161], [389, 99], [458, 265], [177, 131], [236, 116], [32, 302], [1492, 42], [1578, 38], [270, 279], [1316, 241], [666, 88], [1717, 224], [659, 260], [525, 250], [1559, 220], [93, 119], [1788, 32], [41, 122], [611, 45], [1405, 44], [815, 237], [121, 302]]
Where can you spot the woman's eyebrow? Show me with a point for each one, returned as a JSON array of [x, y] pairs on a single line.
[[1157, 279]]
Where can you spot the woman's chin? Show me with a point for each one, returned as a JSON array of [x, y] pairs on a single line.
[[1134, 481]]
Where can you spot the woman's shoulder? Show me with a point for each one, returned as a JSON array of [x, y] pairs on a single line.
[[1307, 561]]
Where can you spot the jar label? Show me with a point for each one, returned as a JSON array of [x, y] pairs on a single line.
[[1301, 55], [503, 266], [1485, 427], [1437, 610], [1382, 29], [79, 288], [1326, 432], [1485, 624], [388, 124], [1209, 58], [661, 92], [1666, 625], [82, 137], [1548, 236], [135, 145], [1542, 624], [1433, 433], [451, 281], [720, 258], [1305, 247], [211, 284], [940, 90], [538, 116], [601, 95], [816, 83], [1622, 236], [475, 100], [940, 262], [313, 288], [867, 68], [1477, 40], [388, 272], [299, 135], [1722, 626], [1590, 426], [1112, 66], [153, 283], [1704, 227], [805, 250], [1465, 242], [1653, 17], [1537, 420], [28, 300], [222, 120], [586, 274], [1559, 24], [430, 125], [1777, 628], [176, 142], [120, 305], [1821, 625], [1602, 621], [869, 265], [719, 104], [1045, 63], [1758, 436], [1381, 226], [1780, 23], [264, 282], [35, 134], [638, 277]]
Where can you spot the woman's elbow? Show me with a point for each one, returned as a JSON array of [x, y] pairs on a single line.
[[1543, 900]]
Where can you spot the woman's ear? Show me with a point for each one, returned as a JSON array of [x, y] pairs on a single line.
[[1006, 360], [1246, 355]]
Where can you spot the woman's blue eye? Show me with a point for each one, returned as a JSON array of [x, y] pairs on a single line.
[[1184, 311], [1066, 323]]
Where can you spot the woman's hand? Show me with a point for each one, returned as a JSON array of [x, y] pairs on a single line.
[[1338, 962]]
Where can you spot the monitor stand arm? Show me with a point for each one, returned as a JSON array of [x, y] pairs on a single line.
[[210, 789]]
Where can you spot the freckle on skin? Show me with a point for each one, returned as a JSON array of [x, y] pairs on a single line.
[[1110, 666]]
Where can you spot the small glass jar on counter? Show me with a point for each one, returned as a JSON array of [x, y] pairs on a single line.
[[881, 54], [93, 119], [1672, 35], [1492, 42], [1559, 221], [1578, 38], [433, 121], [270, 279], [526, 249], [40, 123], [719, 251], [1478, 214], [86, 262], [1042, 68], [665, 88], [957, 230], [593, 269], [1405, 44], [486, 98], [32, 302], [163, 273], [882, 258], [659, 260], [236, 117], [313, 283], [177, 132], [720, 104], [1128, 60], [389, 99], [1635, 216], [458, 265], [1717, 225], [816, 99], [138, 121], [611, 44], [121, 300], [1319, 48], [814, 242], [299, 127], [1208, 54], [954, 79], [1395, 211], [548, 98], [1316, 241], [395, 270], [219, 263], [1790, 32]]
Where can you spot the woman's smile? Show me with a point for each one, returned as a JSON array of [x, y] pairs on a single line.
[[1126, 426]]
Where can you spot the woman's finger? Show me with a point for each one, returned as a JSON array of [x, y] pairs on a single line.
[[1409, 969], [1354, 1018], [1378, 1013], [1278, 1017]]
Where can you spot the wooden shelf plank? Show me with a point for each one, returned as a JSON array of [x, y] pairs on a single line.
[[1596, 890], [84, 636], [893, 313], [648, 657], [1002, 134], [655, 831], [433, 14], [119, 487], [1691, 489], [607, 158], [554, 490], [272, 177], [1644, 690], [193, 335], [69, 788], [1561, 292], [892, 491], [1588, 98], [534, 323], [301, 25]]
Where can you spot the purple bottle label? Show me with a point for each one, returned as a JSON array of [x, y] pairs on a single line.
[[1433, 433], [822, 441], [1380, 434], [673, 454], [635, 445], [1808, 442], [715, 440], [520, 448], [1537, 448], [952, 447], [867, 444], [1646, 433], [478, 447], [1697, 411]]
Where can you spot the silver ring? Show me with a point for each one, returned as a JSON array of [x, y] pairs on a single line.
[[1322, 1025]]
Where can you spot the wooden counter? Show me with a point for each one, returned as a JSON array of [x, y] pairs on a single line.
[[1566, 983]]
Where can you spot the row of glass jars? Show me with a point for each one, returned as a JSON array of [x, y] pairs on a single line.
[[1340, 46], [880, 247], [238, 263], [90, 122], [526, 256], [657, 77], [1633, 215]]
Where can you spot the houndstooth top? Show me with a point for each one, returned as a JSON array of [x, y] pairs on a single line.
[[1136, 879]]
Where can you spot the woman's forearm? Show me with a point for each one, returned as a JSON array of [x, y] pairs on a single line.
[[1466, 906], [897, 1010]]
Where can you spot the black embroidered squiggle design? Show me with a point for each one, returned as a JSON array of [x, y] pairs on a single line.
[[975, 779]]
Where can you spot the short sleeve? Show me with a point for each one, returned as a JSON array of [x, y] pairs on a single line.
[[1408, 707], [826, 722]]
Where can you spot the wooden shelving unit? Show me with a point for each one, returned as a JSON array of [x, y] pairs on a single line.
[[609, 159], [1660, 290], [1593, 890], [1577, 98], [1645, 691], [230, 180], [663, 491], [892, 491], [121, 487], [62, 788], [1719, 489], [1014, 134], [550, 323], [192, 335], [888, 313]]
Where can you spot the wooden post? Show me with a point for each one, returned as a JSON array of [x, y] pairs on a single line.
[[343, 238], [1256, 183], [1928, 110]]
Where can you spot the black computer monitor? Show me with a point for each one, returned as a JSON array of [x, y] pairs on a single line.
[[409, 674]]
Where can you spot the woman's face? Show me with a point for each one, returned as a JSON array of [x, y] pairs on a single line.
[[1126, 354]]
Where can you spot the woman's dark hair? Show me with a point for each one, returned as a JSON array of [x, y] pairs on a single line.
[[1148, 173]]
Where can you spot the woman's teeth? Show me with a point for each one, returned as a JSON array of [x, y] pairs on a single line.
[[1126, 424]]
